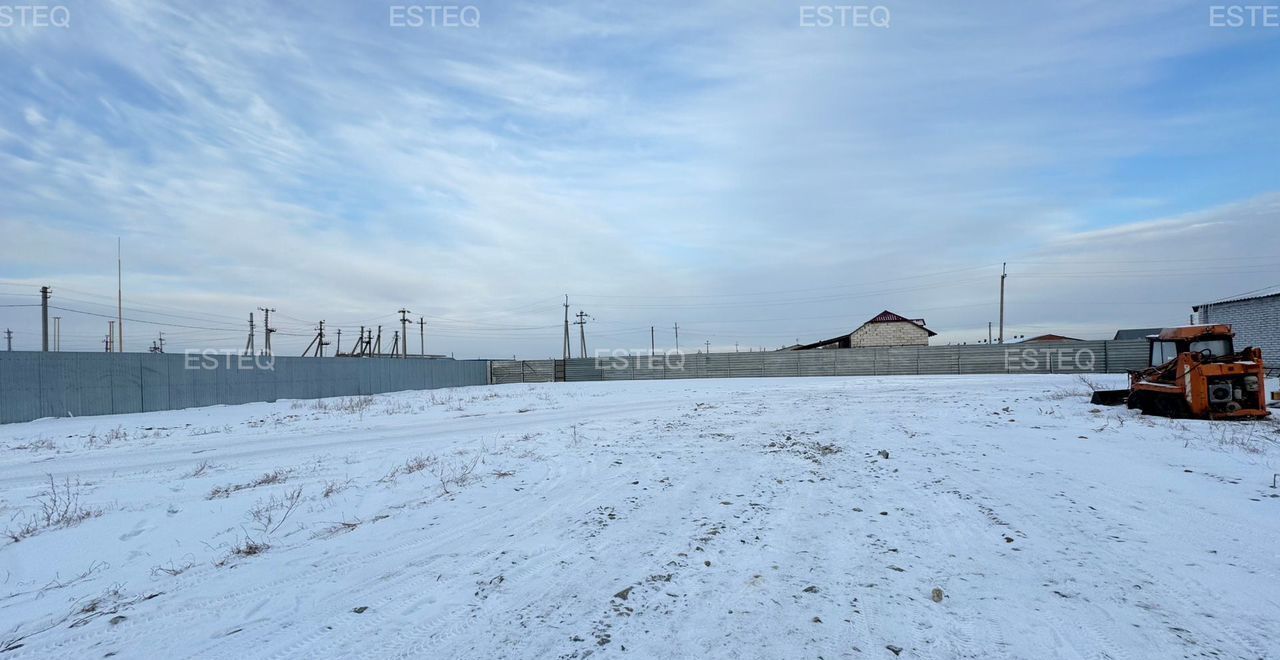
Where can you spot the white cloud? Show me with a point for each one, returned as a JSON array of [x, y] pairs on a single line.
[[334, 167], [33, 117]]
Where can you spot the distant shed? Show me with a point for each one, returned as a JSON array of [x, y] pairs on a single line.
[[1136, 333]]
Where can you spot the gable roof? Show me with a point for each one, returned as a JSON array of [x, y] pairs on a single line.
[[1044, 339], [889, 317]]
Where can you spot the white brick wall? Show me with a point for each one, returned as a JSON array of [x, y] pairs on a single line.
[[1256, 322], [897, 333]]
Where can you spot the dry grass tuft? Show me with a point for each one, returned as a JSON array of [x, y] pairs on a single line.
[[277, 476], [59, 506]]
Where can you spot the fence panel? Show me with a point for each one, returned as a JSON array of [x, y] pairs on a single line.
[[53, 384], [1069, 357], [93, 383], [20, 383]]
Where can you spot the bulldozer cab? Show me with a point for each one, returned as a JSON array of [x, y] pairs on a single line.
[[1209, 341]]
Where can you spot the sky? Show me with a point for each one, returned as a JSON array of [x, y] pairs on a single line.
[[747, 170]]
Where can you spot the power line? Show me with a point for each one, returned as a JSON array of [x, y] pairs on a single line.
[[135, 320], [783, 291], [144, 311]]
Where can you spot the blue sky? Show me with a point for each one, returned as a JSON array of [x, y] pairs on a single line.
[[716, 164]]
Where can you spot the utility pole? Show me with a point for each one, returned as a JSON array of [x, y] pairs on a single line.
[[652, 345], [337, 348], [1003, 275], [157, 346], [404, 332], [119, 296], [248, 345], [44, 318], [395, 343], [57, 333], [377, 347], [422, 337], [582, 332], [317, 341], [566, 327], [988, 332], [106, 342], [708, 347], [677, 337], [111, 336], [267, 330], [359, 349], [8, 339]]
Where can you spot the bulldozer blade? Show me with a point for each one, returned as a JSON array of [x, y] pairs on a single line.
[[1109, 397]]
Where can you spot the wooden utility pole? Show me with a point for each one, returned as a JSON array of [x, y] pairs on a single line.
[[44, 318], [404, 332], [422, 337], [1003, 275], [248, 345]]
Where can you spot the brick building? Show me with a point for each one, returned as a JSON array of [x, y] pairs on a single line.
[[1255, 319], [884, 329]]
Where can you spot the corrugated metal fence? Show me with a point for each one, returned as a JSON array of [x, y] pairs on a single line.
[[1072, 357], [36, 384]]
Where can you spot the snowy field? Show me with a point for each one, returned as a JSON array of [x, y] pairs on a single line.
[[722, 518]]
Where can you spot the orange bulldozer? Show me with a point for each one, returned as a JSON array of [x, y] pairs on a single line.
[[1196, 373]]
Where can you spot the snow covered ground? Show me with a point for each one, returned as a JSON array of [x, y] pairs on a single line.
[[722, 518]]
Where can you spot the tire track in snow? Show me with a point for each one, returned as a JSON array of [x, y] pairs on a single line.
[[173, 613]]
